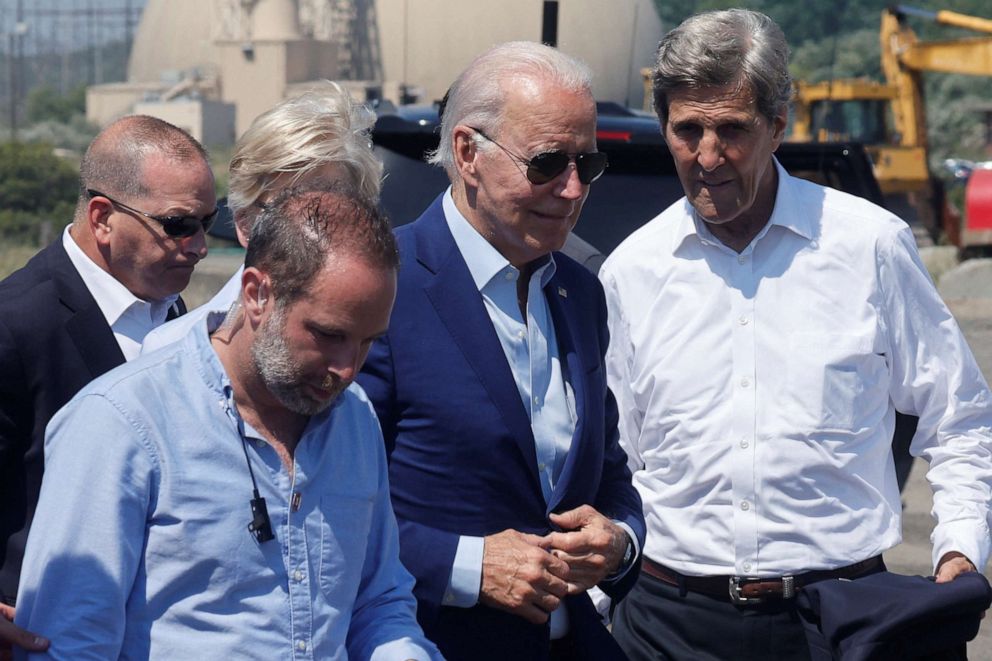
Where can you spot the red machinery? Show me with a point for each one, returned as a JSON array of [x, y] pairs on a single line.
[[977, 227]]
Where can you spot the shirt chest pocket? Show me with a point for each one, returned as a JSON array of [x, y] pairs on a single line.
[[344, 534], [833, 381]]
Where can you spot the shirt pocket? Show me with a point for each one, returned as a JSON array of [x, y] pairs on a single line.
[[344, 535], [828, 379]]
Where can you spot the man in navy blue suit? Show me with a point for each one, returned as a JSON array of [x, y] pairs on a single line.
[[511, 491], [83, 304]]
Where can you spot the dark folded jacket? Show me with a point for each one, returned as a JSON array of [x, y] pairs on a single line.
[[890, 616]]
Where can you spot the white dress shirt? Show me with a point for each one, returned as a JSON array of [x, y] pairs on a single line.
[[757, 391], [129, 317]]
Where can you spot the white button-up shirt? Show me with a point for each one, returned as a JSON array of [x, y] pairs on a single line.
[[129, 317], [757, 391]]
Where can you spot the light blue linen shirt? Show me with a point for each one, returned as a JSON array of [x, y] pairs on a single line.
[[140, 547]]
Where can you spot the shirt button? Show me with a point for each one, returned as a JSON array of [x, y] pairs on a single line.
[[745, 382], [510, 275], [744, 443], [521, 334], [741, 259], [747, 566], [537, 399], [743, 320], [745, 505], [541, 466], [301, 645], [298, 576], [814, 245]]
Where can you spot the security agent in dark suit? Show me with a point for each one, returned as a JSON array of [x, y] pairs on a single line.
[[508, 483], [82, 305]]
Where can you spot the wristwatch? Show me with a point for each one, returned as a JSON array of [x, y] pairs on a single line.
[[628, 553]]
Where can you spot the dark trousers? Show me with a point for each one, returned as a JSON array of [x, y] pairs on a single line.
[[655, 622]]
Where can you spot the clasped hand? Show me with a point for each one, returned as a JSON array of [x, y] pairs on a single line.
[[529, 575]]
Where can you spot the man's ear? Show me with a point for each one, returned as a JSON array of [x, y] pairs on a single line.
[[255, 293], [98, 212], [779, 124], [466, 153]]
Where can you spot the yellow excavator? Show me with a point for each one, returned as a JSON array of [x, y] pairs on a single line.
[[890, 117]]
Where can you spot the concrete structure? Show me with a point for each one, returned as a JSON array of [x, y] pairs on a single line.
[[210, 122], [254, 53], [426, 43]]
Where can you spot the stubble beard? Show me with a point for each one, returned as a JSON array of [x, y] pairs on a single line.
[[281, 375]]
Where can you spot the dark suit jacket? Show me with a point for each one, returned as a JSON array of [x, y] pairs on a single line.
[[53, 341], [462, 457]]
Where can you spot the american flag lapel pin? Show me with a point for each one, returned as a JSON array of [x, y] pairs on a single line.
[[562, 292]]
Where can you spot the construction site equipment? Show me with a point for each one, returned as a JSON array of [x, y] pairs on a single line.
[[890, 117]]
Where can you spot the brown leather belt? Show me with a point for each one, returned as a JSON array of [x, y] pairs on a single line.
[[745, 590]]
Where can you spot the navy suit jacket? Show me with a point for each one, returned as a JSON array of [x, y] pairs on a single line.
[[53, 341], [462, 457]]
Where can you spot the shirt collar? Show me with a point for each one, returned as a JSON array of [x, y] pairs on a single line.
[[483, 260], [786, 214], [111, 296], [198, 342]]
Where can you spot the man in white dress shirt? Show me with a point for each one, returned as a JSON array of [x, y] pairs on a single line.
[[320, 135], [764, 330], [83, 305]]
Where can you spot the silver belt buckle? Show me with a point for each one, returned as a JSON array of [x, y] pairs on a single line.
[[788, 590], [735, 593]]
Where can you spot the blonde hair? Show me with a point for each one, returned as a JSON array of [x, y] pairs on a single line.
[[300, 135]]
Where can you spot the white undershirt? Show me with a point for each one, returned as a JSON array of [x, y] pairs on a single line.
[[129, 317]]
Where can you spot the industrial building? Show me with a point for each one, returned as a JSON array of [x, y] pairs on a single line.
[[211, 66]]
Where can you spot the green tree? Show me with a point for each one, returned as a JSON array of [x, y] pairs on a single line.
[[849, 55], [45, 103], [35, 186]]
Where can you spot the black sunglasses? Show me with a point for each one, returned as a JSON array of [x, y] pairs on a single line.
[[177, 227], [549, 164]]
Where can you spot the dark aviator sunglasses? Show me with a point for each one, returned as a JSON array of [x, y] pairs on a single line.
[[177, 227], [549, 164]]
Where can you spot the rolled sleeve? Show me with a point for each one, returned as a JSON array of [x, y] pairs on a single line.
[[383, 624], [935, 376]]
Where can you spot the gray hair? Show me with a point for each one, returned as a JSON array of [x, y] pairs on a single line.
[[717, 48], [300, 135], [296, 233], [114, 161], [478, 95]]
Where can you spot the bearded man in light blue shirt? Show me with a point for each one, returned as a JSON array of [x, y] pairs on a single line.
[[227, 497]]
